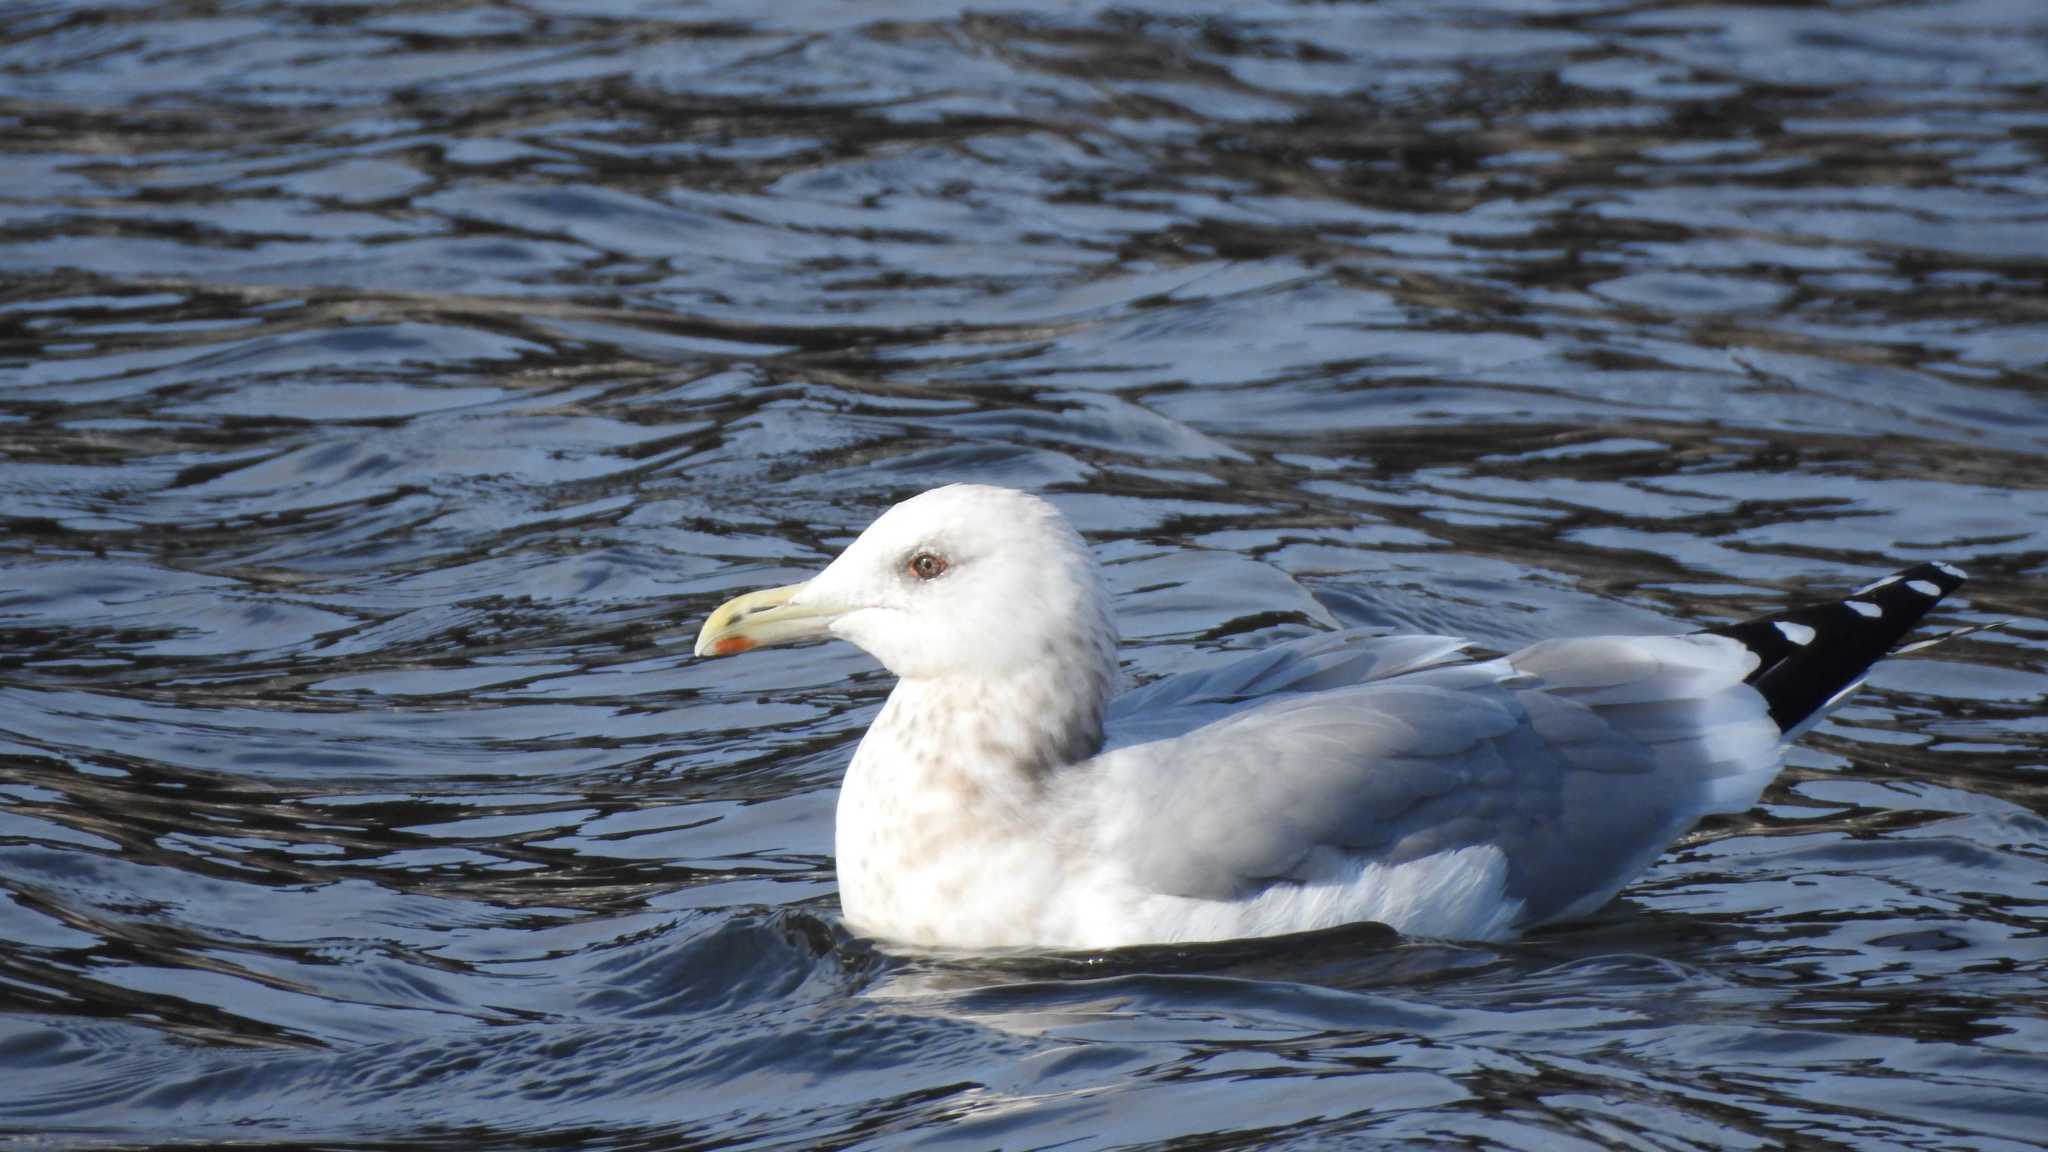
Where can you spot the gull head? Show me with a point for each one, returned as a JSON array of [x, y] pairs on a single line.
[[964, 581]]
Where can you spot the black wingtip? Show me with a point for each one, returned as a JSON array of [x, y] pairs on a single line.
[[1808, 656]]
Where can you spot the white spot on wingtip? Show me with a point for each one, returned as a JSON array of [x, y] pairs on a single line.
[[1796, 633], [1951, 570], [1863, 608], [1924, 587]]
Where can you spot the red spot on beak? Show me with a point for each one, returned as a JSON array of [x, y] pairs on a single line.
[[731, 646]]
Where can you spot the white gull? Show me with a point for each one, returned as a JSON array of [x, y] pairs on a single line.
[[1002, 797]]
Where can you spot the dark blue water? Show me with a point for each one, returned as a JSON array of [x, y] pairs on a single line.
[[384, 386]]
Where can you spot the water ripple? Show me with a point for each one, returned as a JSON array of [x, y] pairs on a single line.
[[386, 393]]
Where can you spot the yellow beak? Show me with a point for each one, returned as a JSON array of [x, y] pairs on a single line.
[[758, 619]]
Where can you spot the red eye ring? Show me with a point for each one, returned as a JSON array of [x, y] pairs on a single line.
[[927, 565]]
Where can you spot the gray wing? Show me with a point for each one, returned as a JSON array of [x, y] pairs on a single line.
[[1175, 705], [1579, 759]]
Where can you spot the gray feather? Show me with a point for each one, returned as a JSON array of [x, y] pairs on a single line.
[[1579, 760]]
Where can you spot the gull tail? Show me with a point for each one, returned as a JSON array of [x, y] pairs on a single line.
[[1810, 658]]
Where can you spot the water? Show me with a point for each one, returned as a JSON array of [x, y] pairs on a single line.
[[382, 388]]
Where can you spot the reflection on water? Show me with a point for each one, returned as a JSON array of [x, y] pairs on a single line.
[[384, 390]]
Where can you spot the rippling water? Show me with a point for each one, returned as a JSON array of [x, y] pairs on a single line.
[[384, 386]]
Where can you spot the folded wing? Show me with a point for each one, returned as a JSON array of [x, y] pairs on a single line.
[[1569, 765], [1577, 760]]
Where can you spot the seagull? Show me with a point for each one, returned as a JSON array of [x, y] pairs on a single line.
[[1006, 796]]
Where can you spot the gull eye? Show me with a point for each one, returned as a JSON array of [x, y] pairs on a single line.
[[927, 565]]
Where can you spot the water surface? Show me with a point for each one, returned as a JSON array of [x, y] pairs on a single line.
[[384, 386]]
